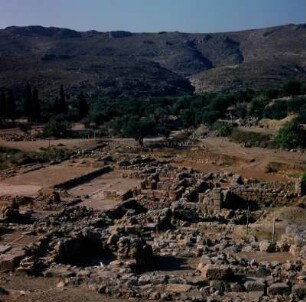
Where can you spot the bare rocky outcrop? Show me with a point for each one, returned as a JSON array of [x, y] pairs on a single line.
[[151, 64]]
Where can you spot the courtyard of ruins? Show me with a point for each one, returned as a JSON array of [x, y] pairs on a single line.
[[187, 223]]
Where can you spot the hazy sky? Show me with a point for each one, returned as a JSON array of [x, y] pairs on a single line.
[[153, 15]]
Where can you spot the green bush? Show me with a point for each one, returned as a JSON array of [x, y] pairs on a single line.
[[291, 135], [277, 111], [9, 156], [222, 128], [8, 150]]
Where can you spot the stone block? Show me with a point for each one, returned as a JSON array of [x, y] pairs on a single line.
[[4, 248], [266, 246], [9, 261], [178, 288], [279, 289], [299, 290], [216, 272], [255, 285]]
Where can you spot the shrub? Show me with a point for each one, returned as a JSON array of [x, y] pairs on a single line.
[[251, 139], [222, 128], [258, 106], [25, 127], [277, 111], [56, 128], [274, 167], [291, 135], [209, 117]]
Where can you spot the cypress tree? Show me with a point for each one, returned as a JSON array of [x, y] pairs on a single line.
[[3, 111], [83, 107], [36, 105], [59, 105], [56, 106], [10, 105], [62, 101], [28, 103]]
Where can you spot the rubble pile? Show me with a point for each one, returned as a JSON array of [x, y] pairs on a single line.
[[17, 137]]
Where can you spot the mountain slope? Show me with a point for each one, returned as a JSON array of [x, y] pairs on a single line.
[[124, 64]]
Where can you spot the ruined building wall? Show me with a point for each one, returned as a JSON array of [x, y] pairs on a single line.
[[267, 193]]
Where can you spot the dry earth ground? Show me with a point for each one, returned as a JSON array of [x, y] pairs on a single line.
[[96, 190]]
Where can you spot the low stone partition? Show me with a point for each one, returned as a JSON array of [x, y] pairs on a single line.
[[76, 181]]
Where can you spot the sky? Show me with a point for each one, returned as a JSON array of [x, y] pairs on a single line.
[[153, 15]]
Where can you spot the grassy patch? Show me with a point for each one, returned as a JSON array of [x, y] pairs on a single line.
[[274, 167], [298, 175], [6, 150], [14, 157], [7, 156], [3, 165], [251, 139]]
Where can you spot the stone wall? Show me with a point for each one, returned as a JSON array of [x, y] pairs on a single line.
[[82, 179], [300, 187], [267, 193]]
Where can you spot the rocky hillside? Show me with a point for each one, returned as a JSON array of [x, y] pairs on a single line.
[[121, 64]]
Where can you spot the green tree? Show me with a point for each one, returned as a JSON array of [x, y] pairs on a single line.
[[292, 88], [241, 110], [160, 115], [139, 129], [278, 110], [258, 106], [164, 131], [56, 128], [272, 93], [209, 117], [25, 127], [188, 117], [135, 127]]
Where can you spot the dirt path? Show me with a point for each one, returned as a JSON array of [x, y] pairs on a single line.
[[36, 145], [252, 162], [19, 190]]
